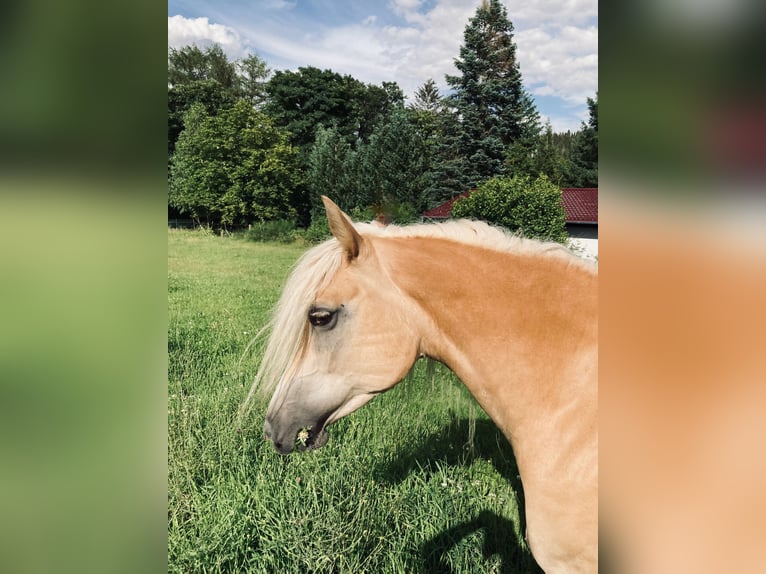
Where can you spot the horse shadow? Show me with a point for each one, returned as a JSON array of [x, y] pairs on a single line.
[[513, 558], [459, 443]]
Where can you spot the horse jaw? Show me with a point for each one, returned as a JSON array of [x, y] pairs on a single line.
[[284, 426]]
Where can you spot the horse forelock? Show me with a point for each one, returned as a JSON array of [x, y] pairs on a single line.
[[287, 328]]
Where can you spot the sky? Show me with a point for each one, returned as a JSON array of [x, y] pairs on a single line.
[[405, 41]]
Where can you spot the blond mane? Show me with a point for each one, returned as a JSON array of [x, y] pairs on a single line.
[[316, 267]]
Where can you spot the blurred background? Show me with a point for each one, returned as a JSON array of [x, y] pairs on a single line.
[[682, 280], [83, 286]]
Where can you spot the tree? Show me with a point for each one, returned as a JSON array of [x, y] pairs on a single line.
[[584, 158], [491, 109], [393, 165], [374, 104], [532, 208], [549, 161], [427, 98], [233, 168], [539, 156], [331, 171], [300, 101], [208, 77], [209, 93], [252, 72], [386, 174], [190, 64]]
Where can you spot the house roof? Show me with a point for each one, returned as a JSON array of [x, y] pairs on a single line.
[[580, 205], [444, 210]]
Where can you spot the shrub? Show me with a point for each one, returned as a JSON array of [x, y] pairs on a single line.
[[318, 231], [396, 212], [531, 208], [281, 230]]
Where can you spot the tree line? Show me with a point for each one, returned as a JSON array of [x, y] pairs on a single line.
[[246, 144]]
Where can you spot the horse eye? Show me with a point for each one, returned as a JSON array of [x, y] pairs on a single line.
[[323, 318]]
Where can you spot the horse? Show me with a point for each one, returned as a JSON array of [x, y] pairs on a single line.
[[514, 318]]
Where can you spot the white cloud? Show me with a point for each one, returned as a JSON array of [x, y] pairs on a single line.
[[560, 61], [557, 43], [186, 31], [530, 12]]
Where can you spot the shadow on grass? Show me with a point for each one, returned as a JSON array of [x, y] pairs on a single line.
[[513, 559], [459, 443]]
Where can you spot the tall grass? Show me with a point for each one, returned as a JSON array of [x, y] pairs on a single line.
[[419, 480]]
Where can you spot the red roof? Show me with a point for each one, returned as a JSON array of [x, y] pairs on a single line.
[[580, 205], [445, 209]]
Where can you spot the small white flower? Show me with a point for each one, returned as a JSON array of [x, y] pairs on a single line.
[[303, 435]]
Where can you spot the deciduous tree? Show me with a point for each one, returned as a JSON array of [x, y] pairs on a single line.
[[234, 168]]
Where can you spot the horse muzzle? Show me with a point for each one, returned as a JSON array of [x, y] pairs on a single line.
[[287, 438]]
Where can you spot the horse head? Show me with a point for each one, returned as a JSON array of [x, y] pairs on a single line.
[[358, 340]]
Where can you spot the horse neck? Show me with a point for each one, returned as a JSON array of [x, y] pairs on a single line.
[[513, 327]]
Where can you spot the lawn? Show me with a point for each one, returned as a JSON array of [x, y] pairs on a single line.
[[418, 481]]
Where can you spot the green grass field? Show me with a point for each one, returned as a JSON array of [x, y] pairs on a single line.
[[418, 481]]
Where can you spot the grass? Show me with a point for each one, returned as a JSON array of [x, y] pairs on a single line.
[[419, 480]]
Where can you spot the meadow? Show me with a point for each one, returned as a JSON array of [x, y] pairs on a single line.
[[418, 481]]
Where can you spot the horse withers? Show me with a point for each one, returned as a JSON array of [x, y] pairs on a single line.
[[515, 319]]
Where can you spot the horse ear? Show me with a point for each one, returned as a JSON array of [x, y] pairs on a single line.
[[343, 229]]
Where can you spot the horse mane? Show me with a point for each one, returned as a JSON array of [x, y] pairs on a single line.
[[316, 267], [477, 234]]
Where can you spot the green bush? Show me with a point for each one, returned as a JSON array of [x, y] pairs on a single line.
[[398, 213], [318, 231], [281, 230], [531, 208]]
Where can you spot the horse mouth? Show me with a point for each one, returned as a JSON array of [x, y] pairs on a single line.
[[310, 439]]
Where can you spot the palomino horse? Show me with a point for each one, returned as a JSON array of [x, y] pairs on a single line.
[[515, 319]]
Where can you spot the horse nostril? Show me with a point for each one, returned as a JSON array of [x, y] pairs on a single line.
[[266, 430]]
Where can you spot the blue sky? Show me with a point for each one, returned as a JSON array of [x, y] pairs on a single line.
[[406, 41]]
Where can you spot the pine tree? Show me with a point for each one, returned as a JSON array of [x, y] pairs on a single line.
[[393, 165], [491, 109], [584, 158], [331, 170], [427, 98]]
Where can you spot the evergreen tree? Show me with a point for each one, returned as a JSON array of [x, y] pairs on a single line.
[[491, 109], [392, 166], [539, 156], [427, 98], [429, 117], [549, 161], [584, 158], [331, 171]]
